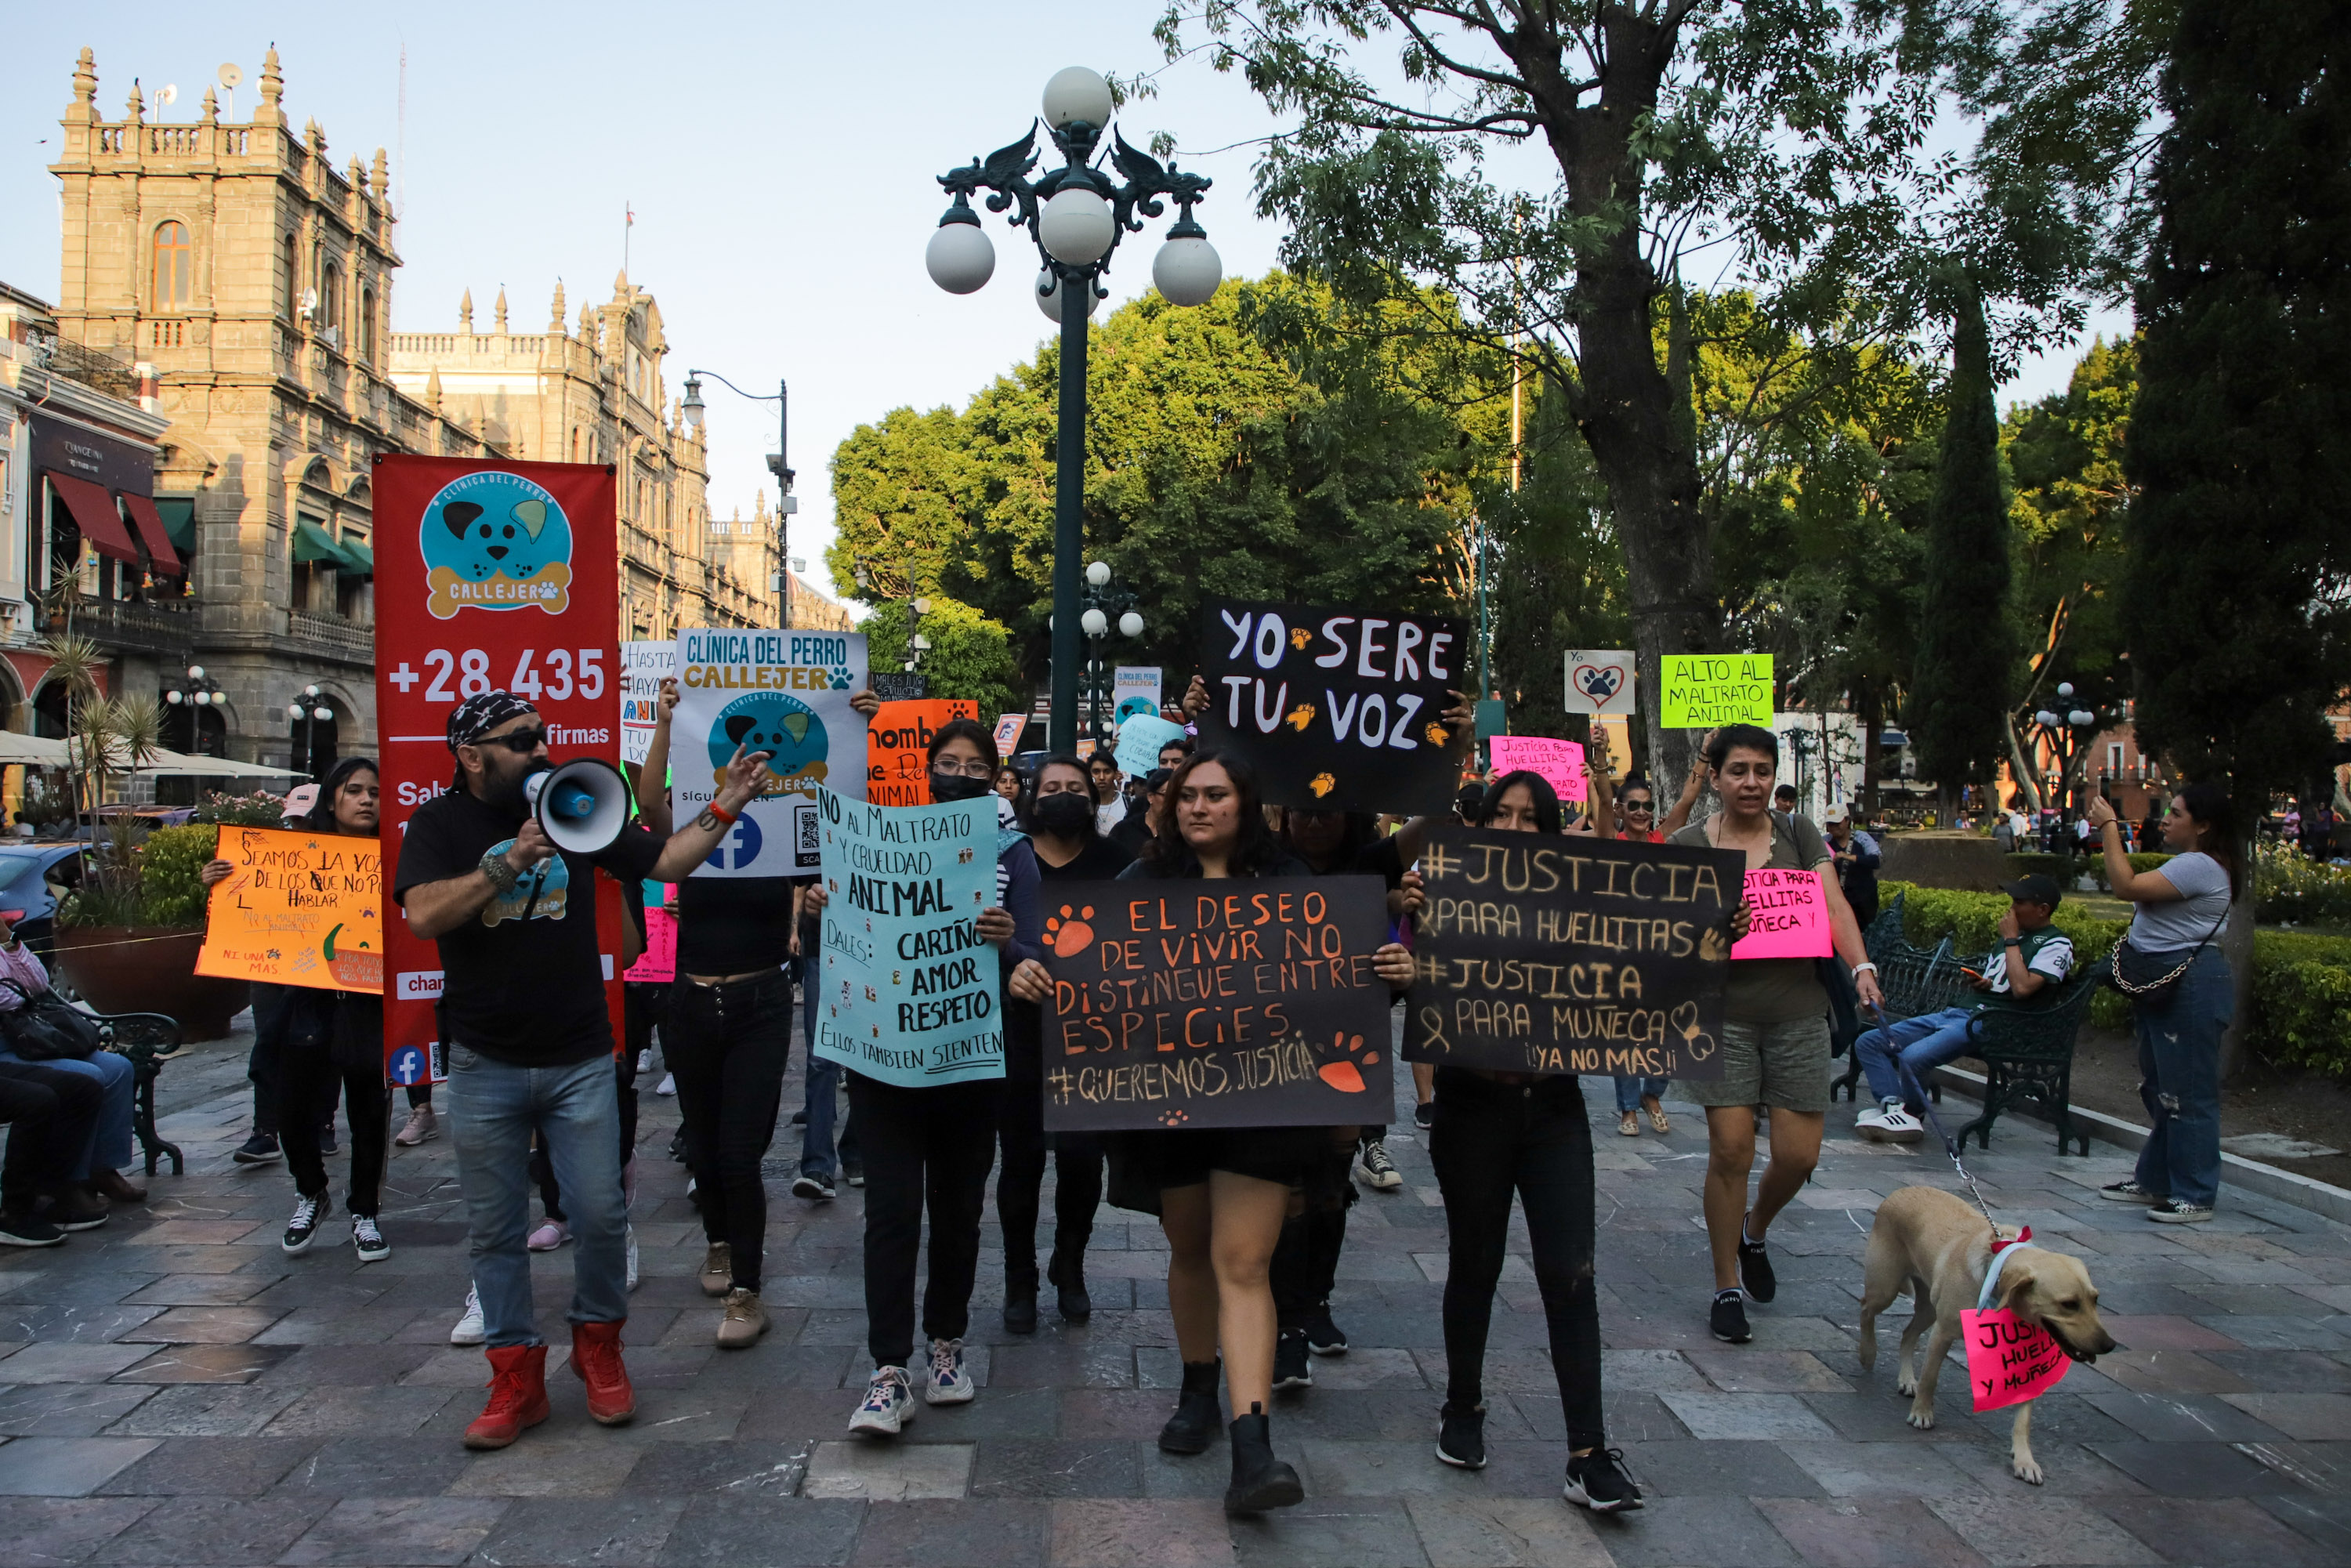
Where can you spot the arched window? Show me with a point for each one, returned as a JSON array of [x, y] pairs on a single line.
[[174, 263], [331, 296], [289, 269], [367, 325]]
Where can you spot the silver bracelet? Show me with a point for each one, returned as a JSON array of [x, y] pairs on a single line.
[[500, 871], [1864, 968]]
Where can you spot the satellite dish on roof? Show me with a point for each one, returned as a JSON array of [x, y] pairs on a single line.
[[231, 76]]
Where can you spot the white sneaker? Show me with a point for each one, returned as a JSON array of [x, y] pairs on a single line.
[[1374, 1169], [645, 1059], [1889, 1124], [668, 1086], [889, 1404], [633, 1257], [470, 1329], [951, 1381], [367, 1241]]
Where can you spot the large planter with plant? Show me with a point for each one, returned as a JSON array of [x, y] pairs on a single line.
[[128, 936]]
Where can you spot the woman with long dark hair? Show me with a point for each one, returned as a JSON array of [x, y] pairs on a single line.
[[1059, 813], [1223, 1192], [2182, 907]]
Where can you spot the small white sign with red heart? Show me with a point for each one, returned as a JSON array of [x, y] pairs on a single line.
[[1599, 681]]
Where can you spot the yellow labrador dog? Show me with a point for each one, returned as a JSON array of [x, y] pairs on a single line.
[[1931, 1246]]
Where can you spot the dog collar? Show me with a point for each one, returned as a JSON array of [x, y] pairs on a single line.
[[2001, 1251]]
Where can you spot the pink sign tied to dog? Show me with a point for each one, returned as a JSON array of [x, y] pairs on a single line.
[[1561, 762], [1788, 915], [2009, 1359]]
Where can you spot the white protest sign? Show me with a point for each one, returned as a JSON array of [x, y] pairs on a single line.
[[1600, 682], [784, 693], [642, 665], [1135, 689]]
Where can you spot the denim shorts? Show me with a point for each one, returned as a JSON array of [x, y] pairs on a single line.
[[1782, 1064]]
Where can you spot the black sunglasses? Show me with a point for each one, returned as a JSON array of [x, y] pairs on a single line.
[[521, 742]]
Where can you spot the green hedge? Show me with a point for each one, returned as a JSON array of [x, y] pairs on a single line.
[[2066, 868], [2302, 980], [2290, 888]]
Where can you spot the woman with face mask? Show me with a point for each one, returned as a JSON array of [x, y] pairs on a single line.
[[1223, 1192], [1060, 823], [935, 1146]]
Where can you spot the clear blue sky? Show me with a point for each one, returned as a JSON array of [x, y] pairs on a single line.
[[780, 159]]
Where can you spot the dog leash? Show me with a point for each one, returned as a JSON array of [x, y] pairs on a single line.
[[1927, 1104]]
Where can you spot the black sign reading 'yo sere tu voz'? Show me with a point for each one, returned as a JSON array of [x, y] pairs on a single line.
[[1541, 953], [1338, 708]]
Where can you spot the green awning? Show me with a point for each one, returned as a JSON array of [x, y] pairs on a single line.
[[179, 514], [312, 547], [360, 558]]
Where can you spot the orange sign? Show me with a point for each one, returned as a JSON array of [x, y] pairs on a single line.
[[301, 909], [897, 744]]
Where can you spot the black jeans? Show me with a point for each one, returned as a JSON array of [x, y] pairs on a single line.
[[922, 1146], [1305, 1263], [49, 1112], [1077, 1182], [274, 1009], [320, 1058], [1490, 1138], [727, 1044]]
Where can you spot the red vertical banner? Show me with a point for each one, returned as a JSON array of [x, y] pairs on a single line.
[[489, 575]]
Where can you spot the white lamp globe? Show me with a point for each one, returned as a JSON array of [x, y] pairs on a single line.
[[960, 256], [1077, 93], [1075, 225], [293, 710], [204, 699], [1097, 573], [174, 698], [1186, 271], [2045, 719], [322, 714], [2064, 688], [196, 672], [1131, 624], [2083, 717], [1049, 296], [1095, 622]]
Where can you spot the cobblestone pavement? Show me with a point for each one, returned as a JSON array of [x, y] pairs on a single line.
[[179, 1392]]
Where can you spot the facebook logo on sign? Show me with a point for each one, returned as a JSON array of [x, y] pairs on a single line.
[[408, 1066], [739, 848]]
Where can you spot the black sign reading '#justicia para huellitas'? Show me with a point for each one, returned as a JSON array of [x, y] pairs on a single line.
[[1338, 708], [1536, 953]]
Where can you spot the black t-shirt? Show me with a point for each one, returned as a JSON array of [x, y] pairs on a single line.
[[1100, 861], [733, 924], [526, 992]]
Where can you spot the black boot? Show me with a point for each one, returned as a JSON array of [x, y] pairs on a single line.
[[1199, 1411], [1021, 1302], [1067, 1271], [1261, 1481]]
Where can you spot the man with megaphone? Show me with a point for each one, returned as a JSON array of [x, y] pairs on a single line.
[[488, 871]]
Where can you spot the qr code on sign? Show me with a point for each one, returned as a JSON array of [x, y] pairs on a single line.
[[807, 853]]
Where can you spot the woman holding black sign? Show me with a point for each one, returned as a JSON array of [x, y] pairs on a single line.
[[1061, 819], [1500, 1132], [1775, 1045], [1224, 1192]]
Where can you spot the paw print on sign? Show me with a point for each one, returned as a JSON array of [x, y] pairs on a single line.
[[1298, 637], [1438, 735], [1173, 1118], [1067, 933], [1697, 1044], [1321, 784], [1300, 717], [1343, 1074]]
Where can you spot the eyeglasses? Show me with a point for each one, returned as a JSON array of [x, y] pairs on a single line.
[[946, 769], [521, 742], [1638, 808]]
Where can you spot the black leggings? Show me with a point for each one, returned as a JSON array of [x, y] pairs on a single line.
[[923, 1147], [1077, 1182], [314, 1072], [727, 1045], [1306, 1260], [1490, 1138]]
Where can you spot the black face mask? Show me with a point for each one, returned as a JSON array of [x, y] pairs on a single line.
[[948, 788], [1064, 815]]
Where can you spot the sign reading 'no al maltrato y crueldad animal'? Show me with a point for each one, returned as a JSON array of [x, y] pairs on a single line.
[[1338, 708], [1244, 1003], [782, 692], [489, 576], [1537, 954]]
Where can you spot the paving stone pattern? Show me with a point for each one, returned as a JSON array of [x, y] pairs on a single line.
[[173, 1390]]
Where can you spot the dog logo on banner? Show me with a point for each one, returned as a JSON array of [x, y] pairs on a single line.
[[496, 541]]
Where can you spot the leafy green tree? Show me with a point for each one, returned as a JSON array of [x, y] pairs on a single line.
[[970, 656], [1958, 694]]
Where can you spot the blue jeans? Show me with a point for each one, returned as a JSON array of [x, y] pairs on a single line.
[[108, 1146], [822, 1086], [1631, 1092], [493, 1109], [1919, 1044], [2179, 1082]]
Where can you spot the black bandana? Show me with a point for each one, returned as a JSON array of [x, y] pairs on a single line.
[[476, 716]]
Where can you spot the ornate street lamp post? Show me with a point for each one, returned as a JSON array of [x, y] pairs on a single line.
[[199, 691], [310, 710], [1103, 601], [778, 463], [1077, 216]]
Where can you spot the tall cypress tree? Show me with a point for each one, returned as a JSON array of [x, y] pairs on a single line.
[[1967, 649], [2240, 538]]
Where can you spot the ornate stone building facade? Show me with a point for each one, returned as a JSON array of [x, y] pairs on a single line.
[[248, 281]]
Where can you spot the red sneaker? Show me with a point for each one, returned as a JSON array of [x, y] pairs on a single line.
[[517, 1397], [596, 1357]]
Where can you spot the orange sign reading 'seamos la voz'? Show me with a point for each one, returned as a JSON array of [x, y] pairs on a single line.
[[301, 909]]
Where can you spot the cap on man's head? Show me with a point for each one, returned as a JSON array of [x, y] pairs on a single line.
[[2037, 888], [1837, 814]]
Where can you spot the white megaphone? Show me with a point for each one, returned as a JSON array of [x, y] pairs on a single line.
[[581, 806]]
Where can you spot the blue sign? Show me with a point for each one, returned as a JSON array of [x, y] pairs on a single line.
[[909, 991], [1140, 740]]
